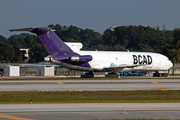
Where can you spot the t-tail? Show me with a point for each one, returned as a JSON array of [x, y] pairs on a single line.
[[55, 47], [53, 44], [61, 53]]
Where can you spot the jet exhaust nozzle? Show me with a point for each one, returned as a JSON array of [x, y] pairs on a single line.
[[74, 59]]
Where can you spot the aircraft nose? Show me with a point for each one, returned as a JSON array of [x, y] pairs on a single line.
[[170, 64]]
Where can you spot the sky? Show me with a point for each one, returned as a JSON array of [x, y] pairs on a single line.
[[97, 15]]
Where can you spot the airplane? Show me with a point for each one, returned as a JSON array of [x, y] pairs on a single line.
[[97, 61]]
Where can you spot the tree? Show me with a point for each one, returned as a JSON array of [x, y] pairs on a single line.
[[37, 52], [6, 52], [176, 35], [3, 39], [24, 40], [90, 38], [18, 54], [173, 53], [122, 36], [109, 37], [145, 48], [136, 37]]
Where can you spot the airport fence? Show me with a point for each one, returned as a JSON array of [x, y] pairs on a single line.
[[32, 70]]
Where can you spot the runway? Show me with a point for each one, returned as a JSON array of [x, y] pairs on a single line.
[[90, 85], [90, 111]]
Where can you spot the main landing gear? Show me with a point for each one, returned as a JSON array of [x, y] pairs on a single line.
[[109, 75], [157, 74], [88, 75], [113, 75]]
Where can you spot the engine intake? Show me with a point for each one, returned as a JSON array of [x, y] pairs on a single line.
[[47, 59]]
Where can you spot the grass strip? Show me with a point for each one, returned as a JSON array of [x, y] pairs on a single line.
[[90, 97]]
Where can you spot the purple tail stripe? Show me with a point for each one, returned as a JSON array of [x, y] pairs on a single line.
[[55, 47], [53, 44]]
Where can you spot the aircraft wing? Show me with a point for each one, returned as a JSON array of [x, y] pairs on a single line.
[[129, 66], [121, 67]]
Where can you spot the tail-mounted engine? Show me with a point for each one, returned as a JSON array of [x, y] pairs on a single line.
[[83, 58], [47, 59]]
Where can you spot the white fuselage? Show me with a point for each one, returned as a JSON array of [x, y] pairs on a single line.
[[147, 61], [98, 60]]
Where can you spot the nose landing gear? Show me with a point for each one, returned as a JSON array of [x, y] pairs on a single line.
[[157, 74]]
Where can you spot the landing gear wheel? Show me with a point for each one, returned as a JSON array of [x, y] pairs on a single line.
[[156, 74]]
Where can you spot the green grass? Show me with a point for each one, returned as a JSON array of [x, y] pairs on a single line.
[[90, 97]]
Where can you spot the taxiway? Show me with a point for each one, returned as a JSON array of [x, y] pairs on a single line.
[[90, 111], [90, 85]]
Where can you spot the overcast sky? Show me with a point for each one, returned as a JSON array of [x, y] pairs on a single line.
[[97, 15]]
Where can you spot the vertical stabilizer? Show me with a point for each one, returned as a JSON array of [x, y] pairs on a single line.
[[53, 44]]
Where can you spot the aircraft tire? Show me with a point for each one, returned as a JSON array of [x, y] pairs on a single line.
[[156, 74], [164, 75]]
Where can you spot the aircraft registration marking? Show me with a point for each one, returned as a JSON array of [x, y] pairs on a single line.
[[60, 83], [13, 117]]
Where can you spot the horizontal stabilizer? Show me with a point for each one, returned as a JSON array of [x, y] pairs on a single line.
[[21, 29]]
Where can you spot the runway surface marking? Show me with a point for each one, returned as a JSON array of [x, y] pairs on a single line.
[[13, 117], [155, 83], [161, 88], [60, 83]]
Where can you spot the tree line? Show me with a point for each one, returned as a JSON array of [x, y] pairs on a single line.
[[133, 38]]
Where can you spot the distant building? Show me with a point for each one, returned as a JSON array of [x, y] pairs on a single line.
[[112, 28], [152, 27], [26, 54]]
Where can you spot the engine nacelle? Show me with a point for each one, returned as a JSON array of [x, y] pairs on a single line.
[[47, 59], [83, 58], [74, 59]]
